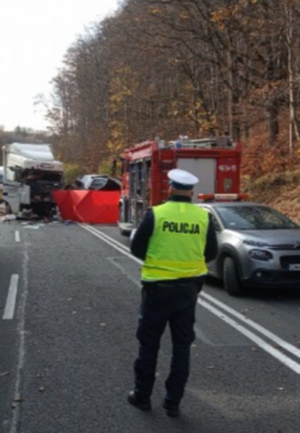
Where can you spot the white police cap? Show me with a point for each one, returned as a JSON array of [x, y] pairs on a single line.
[[182, 179]]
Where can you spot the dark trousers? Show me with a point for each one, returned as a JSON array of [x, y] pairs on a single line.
[[162, 304]]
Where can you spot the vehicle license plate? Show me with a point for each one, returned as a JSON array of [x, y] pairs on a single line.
[[294, 267]]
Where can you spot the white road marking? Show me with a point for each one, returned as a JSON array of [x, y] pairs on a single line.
[[199, 333], [21, 350], [117, 245], [11, 298], [257, 340], [277, 340], [124, 271], [17, 236]]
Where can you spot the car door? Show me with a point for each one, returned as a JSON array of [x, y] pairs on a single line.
[[212, 266]]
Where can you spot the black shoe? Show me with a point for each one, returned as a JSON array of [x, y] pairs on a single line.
[[143, 403], [172, 408]]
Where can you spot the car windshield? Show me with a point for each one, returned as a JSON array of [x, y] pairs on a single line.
[[98, 183], [254, 218]]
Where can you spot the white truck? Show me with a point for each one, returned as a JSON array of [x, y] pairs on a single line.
[[30, 174]]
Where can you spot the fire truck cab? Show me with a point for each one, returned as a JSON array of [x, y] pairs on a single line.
[[145, 166]]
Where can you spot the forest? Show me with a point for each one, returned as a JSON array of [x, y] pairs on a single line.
[[183, 67]]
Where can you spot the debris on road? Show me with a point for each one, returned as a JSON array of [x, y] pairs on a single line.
[[34, 226], [18, 399], [9, 217]]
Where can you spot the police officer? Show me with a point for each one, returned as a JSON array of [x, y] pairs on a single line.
[[175, 240]]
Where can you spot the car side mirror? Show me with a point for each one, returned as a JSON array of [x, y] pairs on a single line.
[[216, 225], [217, 228]]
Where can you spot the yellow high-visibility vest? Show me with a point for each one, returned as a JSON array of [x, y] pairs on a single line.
[[176, 247]]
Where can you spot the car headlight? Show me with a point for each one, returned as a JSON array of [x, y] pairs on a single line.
[[262, 255], [255, 243]]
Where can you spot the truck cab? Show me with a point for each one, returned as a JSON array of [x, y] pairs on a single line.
[[30, 174]]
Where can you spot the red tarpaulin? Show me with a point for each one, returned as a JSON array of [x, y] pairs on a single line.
[[94, 207]]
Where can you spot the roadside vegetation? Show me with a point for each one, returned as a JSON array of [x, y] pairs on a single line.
[[279, 190], [196, 68]]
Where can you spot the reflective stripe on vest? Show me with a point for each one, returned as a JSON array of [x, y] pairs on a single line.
[[176, 247]]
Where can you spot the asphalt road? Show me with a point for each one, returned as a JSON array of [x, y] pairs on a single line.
[[67, 343]]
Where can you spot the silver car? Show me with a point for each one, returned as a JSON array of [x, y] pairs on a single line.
[[258, 247]]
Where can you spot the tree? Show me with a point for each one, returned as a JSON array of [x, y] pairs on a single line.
[[165, 68]]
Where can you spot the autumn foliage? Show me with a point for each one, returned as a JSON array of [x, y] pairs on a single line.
[[261, 158], [193, 67]]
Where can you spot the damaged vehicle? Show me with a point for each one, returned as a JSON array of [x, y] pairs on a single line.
[[30, 174], [98, 182]]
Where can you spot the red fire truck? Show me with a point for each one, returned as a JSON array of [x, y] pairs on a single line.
[[216, 162]]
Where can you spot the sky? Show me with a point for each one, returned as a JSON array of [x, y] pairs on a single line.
[[34, 36]]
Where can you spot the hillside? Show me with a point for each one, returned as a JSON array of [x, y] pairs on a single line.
[[279, 190]]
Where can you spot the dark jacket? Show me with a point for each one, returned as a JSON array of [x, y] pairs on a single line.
[[140, 242]]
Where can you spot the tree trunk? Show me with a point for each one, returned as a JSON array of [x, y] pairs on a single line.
[[273, 123], [293, 127]]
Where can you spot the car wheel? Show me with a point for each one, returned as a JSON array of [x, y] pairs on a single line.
[[231, 278]]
